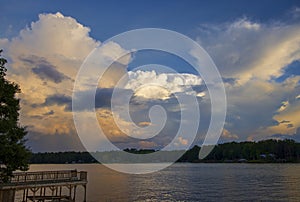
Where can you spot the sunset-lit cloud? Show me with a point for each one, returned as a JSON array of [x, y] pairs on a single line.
[[45, 58], [182, 141], [228, 135], [254, 57]]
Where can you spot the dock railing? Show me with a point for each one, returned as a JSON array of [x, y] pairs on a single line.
[[47, 176], [36, 186]]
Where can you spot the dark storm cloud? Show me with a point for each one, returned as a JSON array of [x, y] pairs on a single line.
[[102, 98], [48, 72], [45, 70], [58, 99], [199, 88]]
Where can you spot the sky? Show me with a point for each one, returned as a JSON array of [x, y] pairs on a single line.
[[254, 44]]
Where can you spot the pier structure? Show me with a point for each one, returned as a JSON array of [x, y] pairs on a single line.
[[36, 186]]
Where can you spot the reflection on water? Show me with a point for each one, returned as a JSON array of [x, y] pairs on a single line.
[[191, 182]]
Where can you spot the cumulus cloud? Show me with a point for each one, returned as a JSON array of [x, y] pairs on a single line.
[[112, 75], [54, 34], [44, 60], [182, 141], [153, 85], [228, 135]]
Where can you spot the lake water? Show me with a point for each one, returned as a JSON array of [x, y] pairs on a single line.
[[191, 182]]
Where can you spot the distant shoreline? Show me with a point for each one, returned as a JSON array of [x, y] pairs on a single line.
[[168, 162], [267, 151]]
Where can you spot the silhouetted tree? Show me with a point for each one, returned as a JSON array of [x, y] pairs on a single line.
[[13, 153]]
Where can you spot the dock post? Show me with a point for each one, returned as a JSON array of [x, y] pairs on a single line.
[[74, 194], [84, 193], [60, 191], [70, 191], [44, 191], [24, 194]]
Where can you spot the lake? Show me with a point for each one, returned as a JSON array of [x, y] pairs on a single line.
[[191, 182]]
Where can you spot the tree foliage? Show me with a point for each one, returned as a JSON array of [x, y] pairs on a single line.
[[263, 151], [13, 153], [266, 151]]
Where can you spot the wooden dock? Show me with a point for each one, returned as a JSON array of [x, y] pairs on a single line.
[[36, 185]]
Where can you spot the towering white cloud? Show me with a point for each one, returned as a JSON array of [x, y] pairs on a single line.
[[152, 85], [44, 60]]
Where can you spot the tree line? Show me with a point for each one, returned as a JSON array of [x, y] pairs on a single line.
[[263, 151]]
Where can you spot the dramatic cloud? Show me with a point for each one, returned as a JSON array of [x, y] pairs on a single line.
[[248, 50], [258, 62], [44, 60], [260, 90], [58, 100], [288, 118], [152, 85], [44, 69]]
